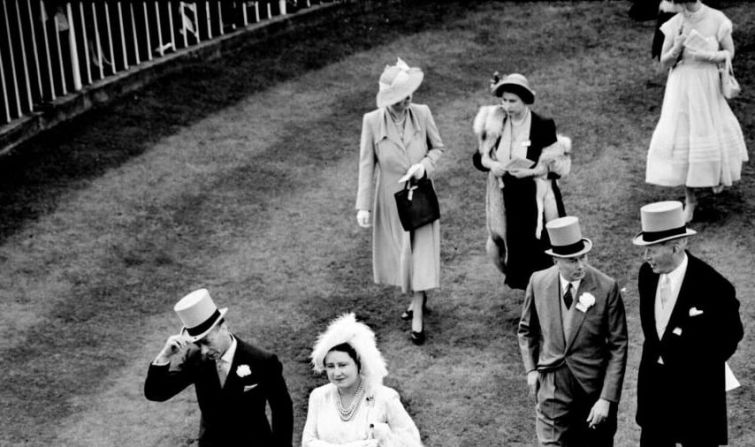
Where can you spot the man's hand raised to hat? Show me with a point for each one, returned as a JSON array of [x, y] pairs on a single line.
[[174, 345]]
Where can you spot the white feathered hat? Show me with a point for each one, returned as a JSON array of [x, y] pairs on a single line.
[[346, 329]]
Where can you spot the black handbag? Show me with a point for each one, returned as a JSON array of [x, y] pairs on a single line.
[[417, 204]]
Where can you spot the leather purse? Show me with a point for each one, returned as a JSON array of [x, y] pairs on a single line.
[[729, 85], [417, 204]]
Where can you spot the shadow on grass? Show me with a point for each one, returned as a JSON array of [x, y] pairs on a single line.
[[36, 175]]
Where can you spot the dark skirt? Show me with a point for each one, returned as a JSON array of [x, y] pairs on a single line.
[[526, 253]]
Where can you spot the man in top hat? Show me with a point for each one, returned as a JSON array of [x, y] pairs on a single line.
[[691, 324], [573, 338], [233, 380]]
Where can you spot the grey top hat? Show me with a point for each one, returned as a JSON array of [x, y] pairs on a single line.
[[662, 221], [198, 314], [566, 238]]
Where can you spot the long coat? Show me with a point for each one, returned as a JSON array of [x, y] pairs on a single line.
[[410, 260], [686, 397], [235, 414], [595, 350], [513, 212]]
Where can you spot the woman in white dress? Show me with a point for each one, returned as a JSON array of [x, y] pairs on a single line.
[[355, 409], [698, 141]]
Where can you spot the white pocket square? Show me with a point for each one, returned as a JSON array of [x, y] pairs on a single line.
[[694, 311], [250, 387], [677, 331]]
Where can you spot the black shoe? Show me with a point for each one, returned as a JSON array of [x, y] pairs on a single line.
[[418, 338]]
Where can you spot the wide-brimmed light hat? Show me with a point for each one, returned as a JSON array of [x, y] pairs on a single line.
[[198, 314], [397, 82], [517, 84], [662, 221], [346, 329], [566, 238]]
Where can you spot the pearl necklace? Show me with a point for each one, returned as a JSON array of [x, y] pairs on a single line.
[[347, 413]]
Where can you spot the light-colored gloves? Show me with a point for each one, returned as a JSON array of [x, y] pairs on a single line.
[[363, 218], [416, 170], [715, 57]]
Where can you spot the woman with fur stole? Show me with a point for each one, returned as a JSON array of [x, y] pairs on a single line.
[[523, 157]]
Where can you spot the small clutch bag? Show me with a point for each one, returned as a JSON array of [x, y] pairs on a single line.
[[729, 85]]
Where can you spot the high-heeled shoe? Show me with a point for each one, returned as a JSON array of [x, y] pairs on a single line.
[[408, 314], [418, 338]]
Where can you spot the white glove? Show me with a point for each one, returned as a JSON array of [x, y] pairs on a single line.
[[417, 171], [707, 56], [363, 218]]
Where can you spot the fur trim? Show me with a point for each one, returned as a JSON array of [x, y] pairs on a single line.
[[556, 157], [346, 329], [670, 7], [488, 125]]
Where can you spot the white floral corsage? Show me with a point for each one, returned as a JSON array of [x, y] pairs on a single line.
[[586, 301], [243, 370]]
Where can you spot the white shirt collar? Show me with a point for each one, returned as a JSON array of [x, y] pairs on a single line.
[[677, 275], [227, 357], [564, 282]]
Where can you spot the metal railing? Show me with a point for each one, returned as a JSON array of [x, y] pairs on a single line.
[[53, 48]]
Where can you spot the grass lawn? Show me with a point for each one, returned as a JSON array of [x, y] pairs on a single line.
[[240, 176]]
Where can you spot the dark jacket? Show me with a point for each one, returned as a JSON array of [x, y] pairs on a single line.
[[685, 397], [235, 414]]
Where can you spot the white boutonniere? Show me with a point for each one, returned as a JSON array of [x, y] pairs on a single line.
[[586, 301], [694, 311], [243, 371]]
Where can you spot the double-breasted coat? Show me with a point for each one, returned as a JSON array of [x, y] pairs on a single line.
[[685, 397], [410, 260], [233, 415]]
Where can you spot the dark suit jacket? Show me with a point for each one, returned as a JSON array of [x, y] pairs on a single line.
[[596, 351], [235, 414], [692, 404]]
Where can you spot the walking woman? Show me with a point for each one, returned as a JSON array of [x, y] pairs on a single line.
[[355, 409], [698, 142], [399, 139], [523, 157]]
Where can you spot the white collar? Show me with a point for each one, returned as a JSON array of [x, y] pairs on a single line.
[[564, 283], [227, 357], [677, 275]]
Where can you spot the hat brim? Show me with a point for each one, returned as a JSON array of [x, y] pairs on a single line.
[[639, 239], [397, 93], [193, 338], [528, 96], [587, 247]]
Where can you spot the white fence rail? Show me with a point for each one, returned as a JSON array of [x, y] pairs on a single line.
[[52, 48]]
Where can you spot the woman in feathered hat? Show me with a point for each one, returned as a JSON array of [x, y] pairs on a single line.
[[523, 157], [399, 142], [355, 408]]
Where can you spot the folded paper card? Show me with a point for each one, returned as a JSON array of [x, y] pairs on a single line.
[[518, 163]]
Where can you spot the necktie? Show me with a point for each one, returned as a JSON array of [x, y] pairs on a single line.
[[568, 297], [220, 364], [665, 291]]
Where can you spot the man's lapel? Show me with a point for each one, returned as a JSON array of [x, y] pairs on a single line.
[[552, 303], [682, 305]]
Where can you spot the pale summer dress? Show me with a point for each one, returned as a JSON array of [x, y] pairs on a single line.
[[698, 141]]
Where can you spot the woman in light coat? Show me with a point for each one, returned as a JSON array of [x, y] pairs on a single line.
[[399, 140]]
